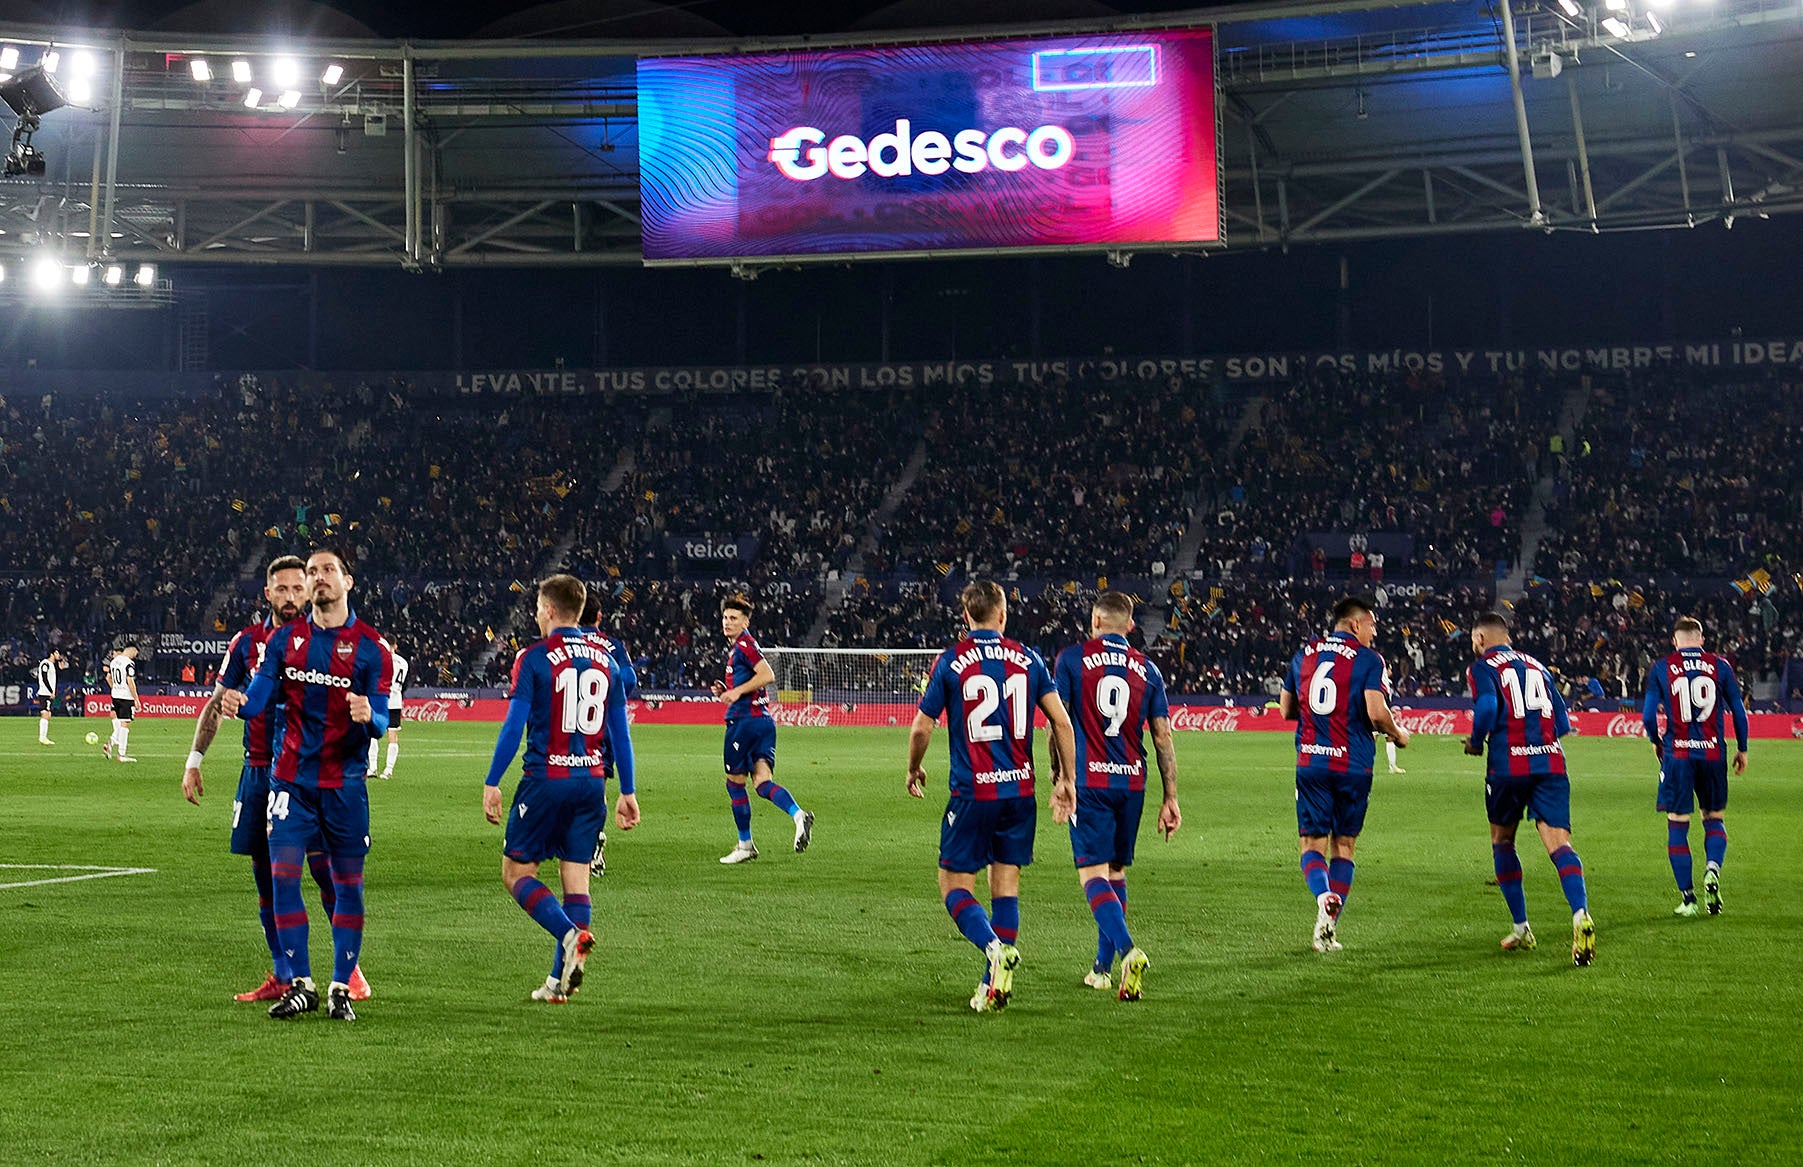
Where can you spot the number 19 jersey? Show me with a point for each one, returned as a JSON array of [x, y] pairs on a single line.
[[567, 684], [1696, 690], [1530, 714], [1329, 680], [1112, 691], [988, 686]]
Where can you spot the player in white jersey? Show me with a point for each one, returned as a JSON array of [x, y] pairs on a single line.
[[46, 695], [394, 717], [122, 677]]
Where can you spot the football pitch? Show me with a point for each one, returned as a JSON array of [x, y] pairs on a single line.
[[812, 1008]]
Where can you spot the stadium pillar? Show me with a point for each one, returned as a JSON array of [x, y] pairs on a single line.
[[1536, 217]]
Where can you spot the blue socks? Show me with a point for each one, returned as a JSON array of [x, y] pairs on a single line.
[[1339, 878], [347, 915], [1314, 872], [290, 909], [1508, 878], [1111, 918], [1104, 945], [538, 902], [320, 864], [778, 797], [1571, 877], [1677, 849], [968, 914], [259, 866], [741, 809], [1715, 842]]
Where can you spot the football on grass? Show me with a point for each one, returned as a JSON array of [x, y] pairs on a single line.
[[93, 738]]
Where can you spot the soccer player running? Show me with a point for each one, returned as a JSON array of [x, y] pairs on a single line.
[[571, 704], [1521, 717], [122, 683], [285, 587], [988, 686], [396, 693], [46, 697], [751, 732], [629, 680], [1696, 691], [1336, 693], [1113, 694], [333, 674]]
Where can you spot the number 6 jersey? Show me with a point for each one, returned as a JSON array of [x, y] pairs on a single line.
[[1330, 679], [1520, 712]]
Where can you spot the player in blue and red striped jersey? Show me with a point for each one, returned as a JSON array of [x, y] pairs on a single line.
[[988, 686], [628, 677], [1520, 716], [1696, 691], [333, 673], [1337, 693], [1114, 694], [570, 702], [285, 587], [750, 748]]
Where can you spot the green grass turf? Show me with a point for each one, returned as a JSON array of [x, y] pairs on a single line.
[[812, 1008]]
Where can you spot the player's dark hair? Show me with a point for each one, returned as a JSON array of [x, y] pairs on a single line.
[[287, 563], [336, 551], [591, 609], [1351, 608], [1688, 624], [737, 602], [1115, 606], [982, 599], [1493, 622], [565, 593]]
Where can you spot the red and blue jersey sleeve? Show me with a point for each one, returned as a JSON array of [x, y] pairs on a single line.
[[741, 665], [934, 699]]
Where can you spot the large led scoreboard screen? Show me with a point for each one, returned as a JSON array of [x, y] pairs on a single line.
[[1100, 140]]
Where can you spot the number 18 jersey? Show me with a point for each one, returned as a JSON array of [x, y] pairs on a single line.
[[1530, 715], [567, 684], [988, 686]]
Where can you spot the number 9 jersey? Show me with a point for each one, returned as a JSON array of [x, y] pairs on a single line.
[[1112, 691], [1520, 713]]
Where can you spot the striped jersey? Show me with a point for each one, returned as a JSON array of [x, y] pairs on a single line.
[[988, 686], [1329, 680], [742, 661], [623, 668], [1112, 691], [1696, 691], [567, 682], [1519, 712], [316, 670], [46, 678], [243, 657]]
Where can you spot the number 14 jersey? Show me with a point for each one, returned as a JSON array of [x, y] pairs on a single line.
[[1529, 716]]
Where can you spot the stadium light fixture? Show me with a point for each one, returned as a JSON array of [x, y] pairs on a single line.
[[83, 64], [81, 91], [46, 273], [1572, 9], [50, 61], [332, 75], [1653, 22], [289, 99], [78, 275], [1616, 27], [252, 98], [286, 73], [9, 58], [147, 275], [115, 275], [200, 69], [2, 275], [241, 72]]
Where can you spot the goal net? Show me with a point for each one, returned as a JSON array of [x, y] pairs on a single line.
[[849, 686]]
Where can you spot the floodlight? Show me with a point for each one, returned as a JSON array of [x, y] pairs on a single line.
[[2, 275], [286, 73], [147, 275], [332, 75], [1653, 22], [78, 275], [50, 60], [114, 275], [289, 99], [46, 273], [82, 64], [1616, 27], [241, 72], [9, 58], [81, 91], [1571, 8], [200, 69], [253, 97]]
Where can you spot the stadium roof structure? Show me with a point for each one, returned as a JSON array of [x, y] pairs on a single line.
[[1341, 121]]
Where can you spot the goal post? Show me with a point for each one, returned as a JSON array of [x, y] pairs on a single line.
[[849, 686]]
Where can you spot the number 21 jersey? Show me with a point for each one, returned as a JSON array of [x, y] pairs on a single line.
[[988, 686]]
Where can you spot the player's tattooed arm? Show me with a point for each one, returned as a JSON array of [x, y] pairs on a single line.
[[206, 728], [1165, 748]]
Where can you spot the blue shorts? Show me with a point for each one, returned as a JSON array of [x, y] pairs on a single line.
[[335, 821], [1105, 826], [250, 812], [974, 834], [1546, 797], [1682, 778], [1331, 804], [747, 740], [555, 819]]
